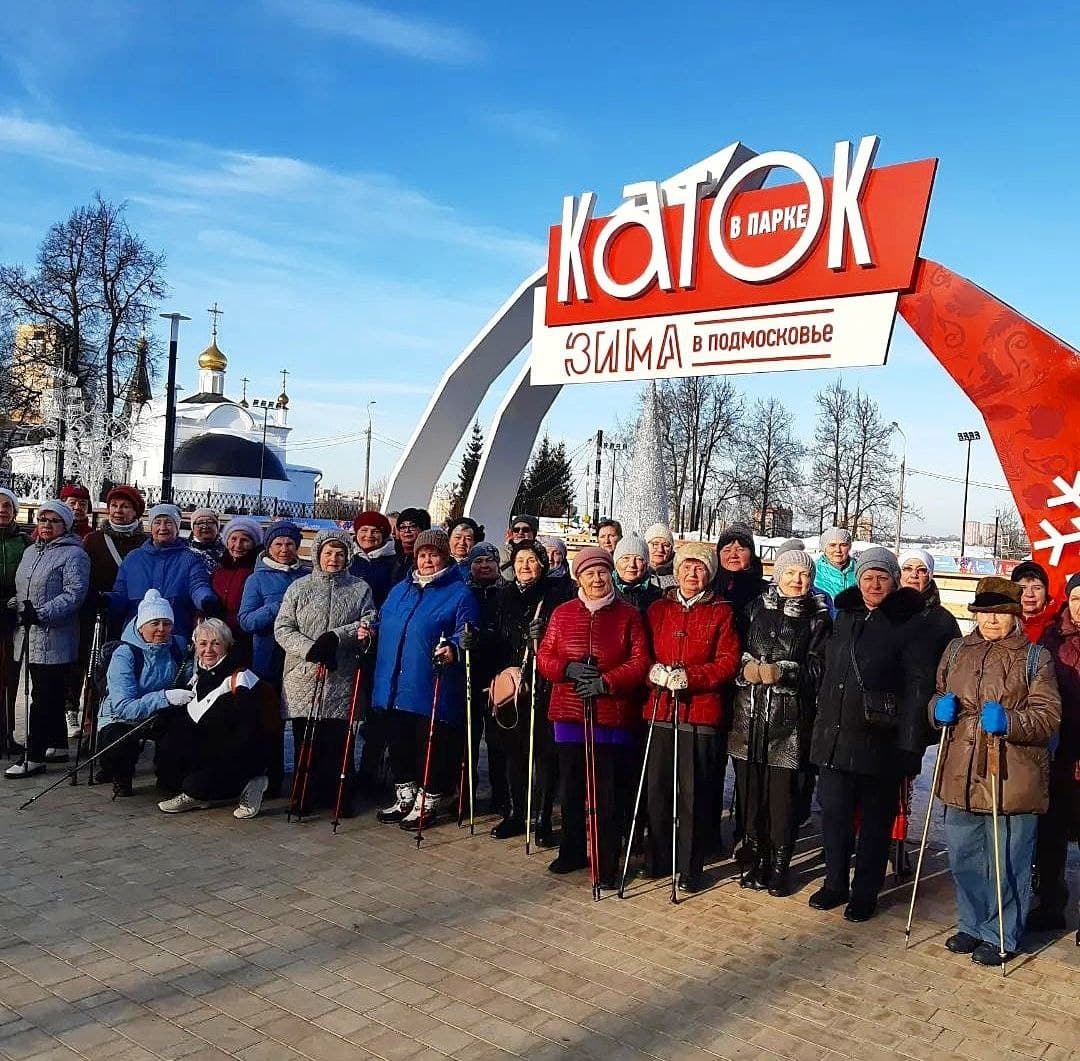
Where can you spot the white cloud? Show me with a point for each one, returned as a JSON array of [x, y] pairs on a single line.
[[406, 35]]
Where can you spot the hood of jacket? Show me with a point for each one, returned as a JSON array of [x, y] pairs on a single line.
[[70, 540], [331, 534], [175, 546], [931, 596], [898, 606], [388, 548]]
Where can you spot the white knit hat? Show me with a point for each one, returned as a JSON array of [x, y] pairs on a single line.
[[166, 510], [61, 510], [659, 530], [916, 554], [10, 495], [152, 606], [834, 534]]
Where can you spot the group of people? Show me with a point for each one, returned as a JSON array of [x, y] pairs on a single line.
[[614, 687]]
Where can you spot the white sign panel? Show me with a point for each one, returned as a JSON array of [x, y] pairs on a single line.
[[825, 333]]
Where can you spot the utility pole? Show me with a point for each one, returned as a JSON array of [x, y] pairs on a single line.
[[174, 320], [903, 475], [596, 481], [613, 448], [968, 437], [367, 457]]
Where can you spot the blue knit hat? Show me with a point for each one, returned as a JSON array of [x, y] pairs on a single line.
[[282, 529], [245, 525]]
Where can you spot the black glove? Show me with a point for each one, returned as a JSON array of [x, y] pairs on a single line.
[[213, 609], [591, 687], [324, 650], [536, 629], [29, 616], [576, 671], [468, 638]]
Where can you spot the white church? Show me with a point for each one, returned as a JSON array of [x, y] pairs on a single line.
[[222, 446]]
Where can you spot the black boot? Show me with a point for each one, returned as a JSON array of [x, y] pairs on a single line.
[[749, 858], [780, 881], [763, 867]]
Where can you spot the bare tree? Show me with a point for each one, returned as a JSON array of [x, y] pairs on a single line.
[[1012, 540], [702, 416], [770, 458]]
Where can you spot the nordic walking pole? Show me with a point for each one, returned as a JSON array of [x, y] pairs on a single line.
[[469, 741], [993, 762], [86, 698], [674, 794], [60, 780], [430, 742], [532, 754], [317, 710], [300, 754], [590, 800], [349, 736], [640, 790], [925, 832], [8, 722]]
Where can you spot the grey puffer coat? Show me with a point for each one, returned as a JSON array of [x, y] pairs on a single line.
[[313, 605], [54, 576]]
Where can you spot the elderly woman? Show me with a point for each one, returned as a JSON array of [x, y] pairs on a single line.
[[935, 626], [696, 649], [242, 537], [522, 611], [217, 746], [594, 649], [13, 543], [326, 620], [376, 555], [835, 571], [463, 533], [51, 583], [558, 568], [631, 578], [1060, 824], [738, 579], [141, 677], [998, 696], [661, 543], [782, 663], [419, 669], [870, 731]]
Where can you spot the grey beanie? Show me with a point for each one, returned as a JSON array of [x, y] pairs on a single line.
[[631, 546], [789, 546], [878, 559], [793, 558], [834, 534], [60, 509], [484, 551]]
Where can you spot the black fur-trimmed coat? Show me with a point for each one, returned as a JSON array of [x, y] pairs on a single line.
[[772, 723]]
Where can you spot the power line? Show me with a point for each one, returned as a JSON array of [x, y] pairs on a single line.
[[954, 479]]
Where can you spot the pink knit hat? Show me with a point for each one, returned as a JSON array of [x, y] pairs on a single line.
[[590, 556]]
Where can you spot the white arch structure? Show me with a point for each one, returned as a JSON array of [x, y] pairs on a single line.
[[513, 431]]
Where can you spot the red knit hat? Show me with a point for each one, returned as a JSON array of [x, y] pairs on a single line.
[[591, 556], [372, 519], [74, 490], [128, 493]]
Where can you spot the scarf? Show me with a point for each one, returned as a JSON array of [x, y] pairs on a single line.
[[274, 565], [559, 571], [122, 530], [386, 549], [594, 606], [426, 580]]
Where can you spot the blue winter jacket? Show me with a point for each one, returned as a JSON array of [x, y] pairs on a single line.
[[175, 572], [259, 606], [834, 580], [410, 623], [129, 698]]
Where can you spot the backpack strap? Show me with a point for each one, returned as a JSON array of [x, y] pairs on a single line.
[[953, 653], [1032, 663]]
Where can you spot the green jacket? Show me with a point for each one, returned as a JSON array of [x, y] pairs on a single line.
[[13, 544]]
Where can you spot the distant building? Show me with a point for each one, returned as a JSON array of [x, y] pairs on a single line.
[[778, 521]]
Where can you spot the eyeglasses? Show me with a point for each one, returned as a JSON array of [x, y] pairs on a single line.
[[407, 526], [47, 519], [521, 530], [204, 523]]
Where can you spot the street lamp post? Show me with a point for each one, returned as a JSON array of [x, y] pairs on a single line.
[[266, 406], [903, 476], [174, 320], [367, 456], [968, 437]]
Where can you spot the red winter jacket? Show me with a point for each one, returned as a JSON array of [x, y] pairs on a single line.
[[615, 637], [702, 639], [227, 582]]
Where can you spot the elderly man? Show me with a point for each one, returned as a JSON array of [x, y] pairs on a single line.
[[836, 570]]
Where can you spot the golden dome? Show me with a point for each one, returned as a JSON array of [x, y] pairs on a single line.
[[212, 359], [283, 401]]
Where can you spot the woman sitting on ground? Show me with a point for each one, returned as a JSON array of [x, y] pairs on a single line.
[[142, 672], [217, 747]]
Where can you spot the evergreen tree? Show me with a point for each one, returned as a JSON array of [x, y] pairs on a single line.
[[470, 461], [547, 488]]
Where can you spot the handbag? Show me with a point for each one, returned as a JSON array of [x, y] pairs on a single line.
[[508, 687], [879, 707]]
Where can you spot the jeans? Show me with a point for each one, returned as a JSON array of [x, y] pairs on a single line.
[[971, 859]]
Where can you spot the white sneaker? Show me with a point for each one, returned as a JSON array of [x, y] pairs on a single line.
[[181, 803], [26, 768], [56, 755], [404, 798], [73, 725], [431, 802], [251, 798]]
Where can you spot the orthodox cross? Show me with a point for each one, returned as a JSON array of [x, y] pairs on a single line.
[[214, 314]]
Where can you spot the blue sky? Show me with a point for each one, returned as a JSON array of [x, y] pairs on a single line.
[[360, 185]]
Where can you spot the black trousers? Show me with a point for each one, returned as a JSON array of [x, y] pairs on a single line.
[[698, 766], [513, 756], [615, 777], [9, 676], [876, 798], [46, 726], [1061, 820], [119, 763], [409, 747], [326, 755], [769, 796]]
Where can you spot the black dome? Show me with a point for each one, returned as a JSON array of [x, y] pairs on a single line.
[[227, 455]]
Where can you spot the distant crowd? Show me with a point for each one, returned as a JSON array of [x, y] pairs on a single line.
[[610, 689]]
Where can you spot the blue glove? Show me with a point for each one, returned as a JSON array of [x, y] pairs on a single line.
[[947, 709], [994, 720]]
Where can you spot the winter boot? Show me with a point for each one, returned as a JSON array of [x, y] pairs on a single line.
[[74, 726], [749, 857], [430, 803], [780, 881], [404, 798]]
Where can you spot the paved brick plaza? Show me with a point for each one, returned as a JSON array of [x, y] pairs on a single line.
[[126, 934]]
